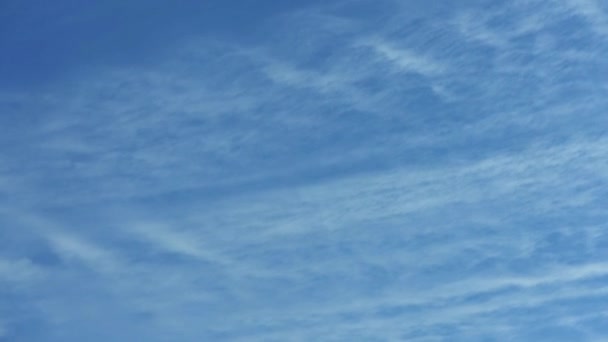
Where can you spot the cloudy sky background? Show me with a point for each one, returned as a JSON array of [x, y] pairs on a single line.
[[303, 170]]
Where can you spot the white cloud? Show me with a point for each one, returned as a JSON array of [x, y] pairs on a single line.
[[77, 248], [593, 12], [171, 240], [19, 271], [405, 60], [299, 194], [427, 313]]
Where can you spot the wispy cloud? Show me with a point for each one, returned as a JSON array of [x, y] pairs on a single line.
[[593, 12], [405, 60], [20, 271], [350, 171], [74, 248]]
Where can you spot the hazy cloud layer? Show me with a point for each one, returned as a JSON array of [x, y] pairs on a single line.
[[342, 171]]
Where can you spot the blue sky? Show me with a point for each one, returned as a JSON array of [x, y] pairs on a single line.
[[303, 170]]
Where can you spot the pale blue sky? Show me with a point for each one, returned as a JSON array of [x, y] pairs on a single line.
[[303, 170]]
